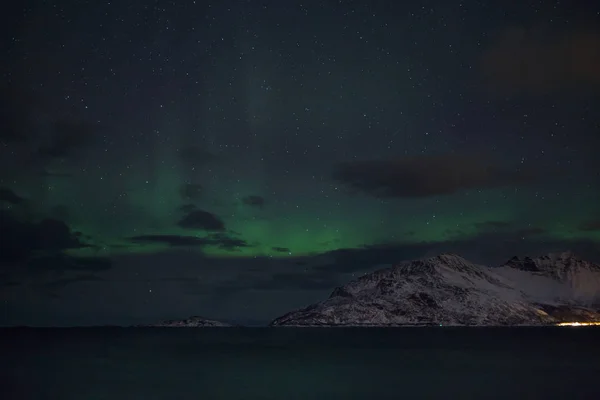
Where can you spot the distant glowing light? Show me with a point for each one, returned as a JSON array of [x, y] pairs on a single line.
[[579, 324]]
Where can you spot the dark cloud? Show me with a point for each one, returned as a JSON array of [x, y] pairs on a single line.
[[225, 241], [27, 240], [191, 191], [530, 232], [590, 226], [200, 219], [68, 138], [254, 201], [298, 281], [492, 225], [538, 61], [62, 262], [194, 157], [38, 249], [60, 212], [187, 208], [170, 240], [280, 249], [221, 240], [62, 282], [425, 176], [10, 197]]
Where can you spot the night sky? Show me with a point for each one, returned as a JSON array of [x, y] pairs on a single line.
[[236, 160]]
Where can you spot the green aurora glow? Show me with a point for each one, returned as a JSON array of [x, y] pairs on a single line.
[[133, 202]]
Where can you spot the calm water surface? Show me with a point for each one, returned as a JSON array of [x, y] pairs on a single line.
[[289, 363]]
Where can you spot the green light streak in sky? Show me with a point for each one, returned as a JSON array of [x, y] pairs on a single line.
[[145, 201]]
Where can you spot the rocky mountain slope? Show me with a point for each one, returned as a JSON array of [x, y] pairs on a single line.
[[192, 322], [449, 290]]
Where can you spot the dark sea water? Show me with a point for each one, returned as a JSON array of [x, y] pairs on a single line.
[[289, 363]]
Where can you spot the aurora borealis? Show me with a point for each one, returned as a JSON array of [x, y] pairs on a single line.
[[189, 158]]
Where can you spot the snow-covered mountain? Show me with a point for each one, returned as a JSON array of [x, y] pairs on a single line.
[[191, 322], [449, 290]]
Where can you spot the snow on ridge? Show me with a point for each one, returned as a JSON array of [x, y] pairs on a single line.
[[556, 277]]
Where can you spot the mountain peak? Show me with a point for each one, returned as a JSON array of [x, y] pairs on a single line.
[[443, 261], [437, 268], [451, 257]]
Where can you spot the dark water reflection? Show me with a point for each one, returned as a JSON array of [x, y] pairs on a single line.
[[289, 363]]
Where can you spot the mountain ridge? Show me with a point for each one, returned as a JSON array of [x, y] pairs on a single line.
[[447, 289]]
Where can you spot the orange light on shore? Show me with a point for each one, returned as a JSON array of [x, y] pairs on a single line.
[[578, 324]]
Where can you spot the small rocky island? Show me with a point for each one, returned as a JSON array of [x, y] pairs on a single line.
[[191, 322]]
